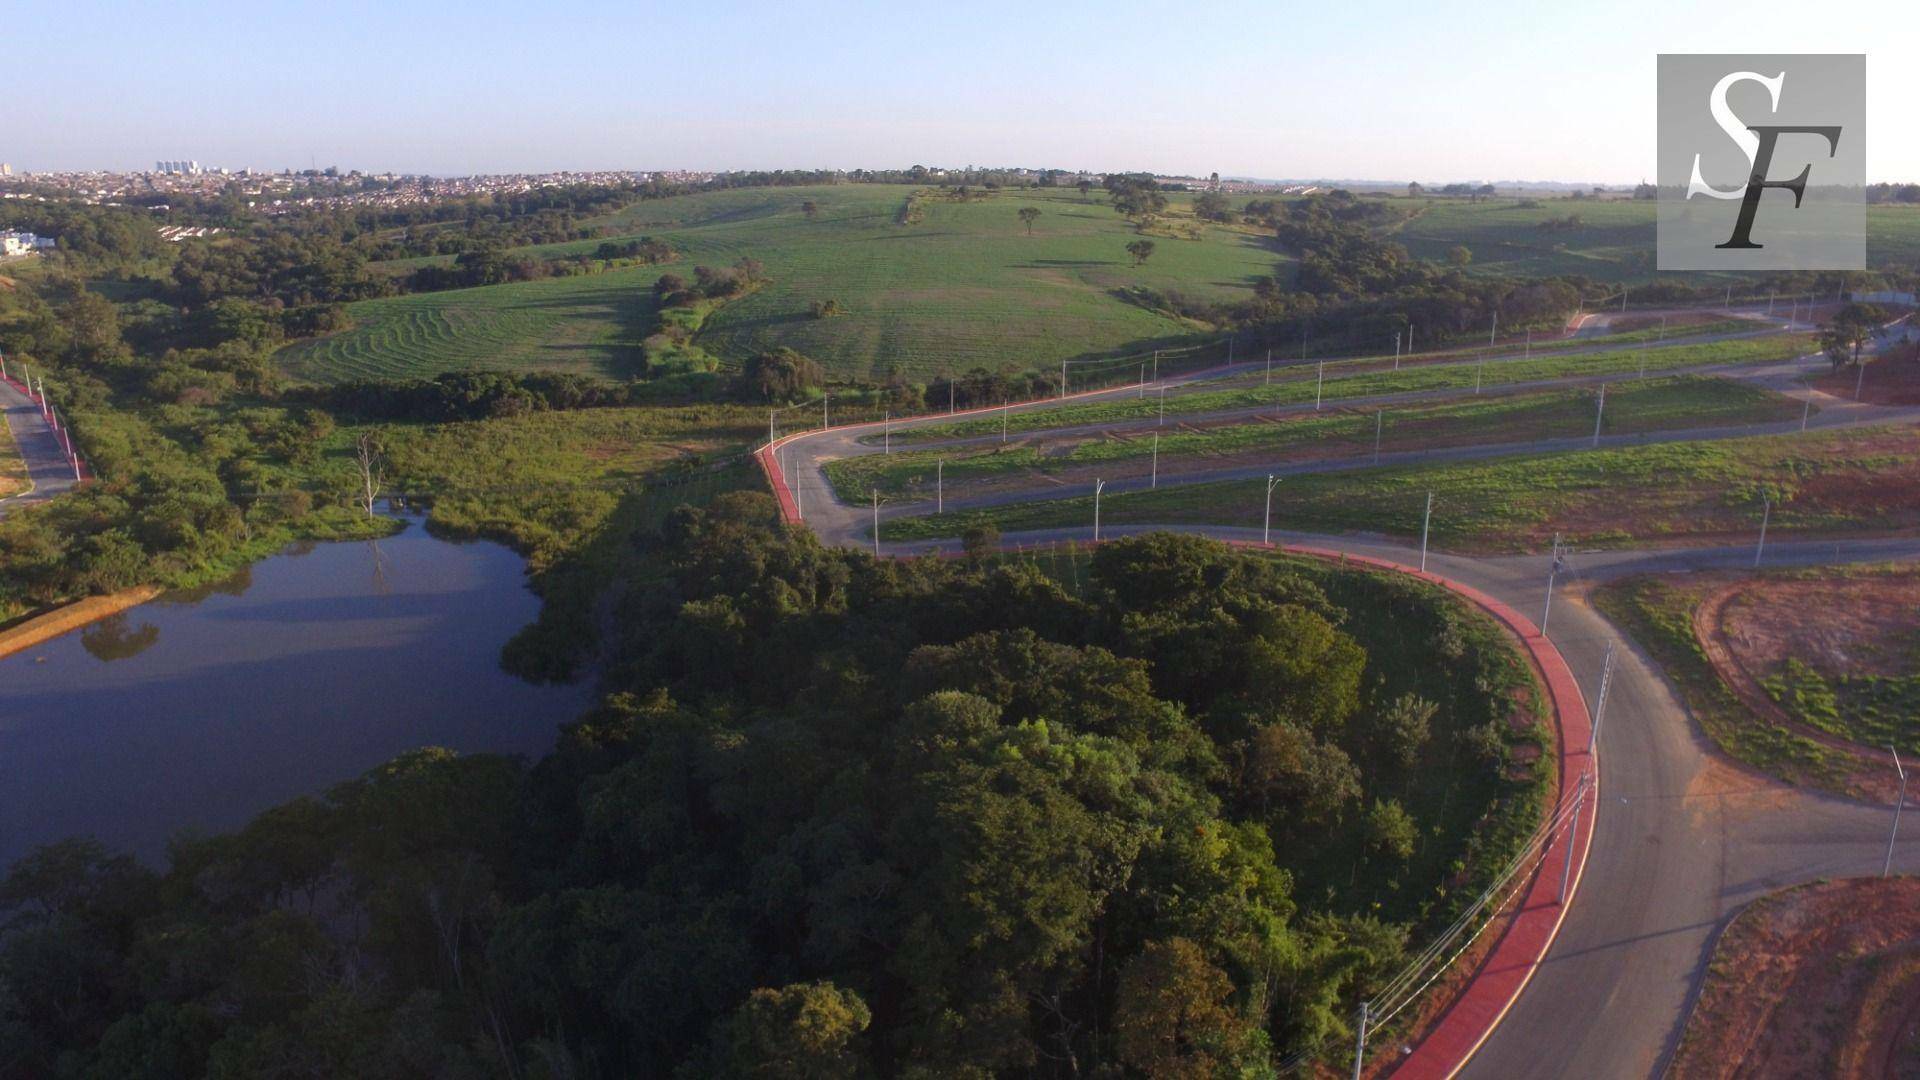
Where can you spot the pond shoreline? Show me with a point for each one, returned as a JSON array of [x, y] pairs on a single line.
[[52, 623]]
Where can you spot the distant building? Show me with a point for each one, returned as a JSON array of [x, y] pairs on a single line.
[[5, 169], [186, 168], [23, 243]]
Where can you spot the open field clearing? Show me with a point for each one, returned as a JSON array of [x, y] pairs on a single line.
[[1818, 980], [1659, 404], [1862, 480], [1612, 240], [1368, 378], [13, 470], [1806, 674], [591, 324], [942, 284]]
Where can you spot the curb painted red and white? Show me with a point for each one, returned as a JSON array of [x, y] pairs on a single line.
[[1503, 973]]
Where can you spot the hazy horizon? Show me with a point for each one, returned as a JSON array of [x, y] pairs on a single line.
[[1387, 94]]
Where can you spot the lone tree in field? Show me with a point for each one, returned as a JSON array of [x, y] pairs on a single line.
[[1084, 186], [1461, 256], [1141, 250], [1848, 332], [811, 209], [1027, 216]]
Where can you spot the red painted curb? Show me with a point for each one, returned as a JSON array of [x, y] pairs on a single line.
[[1504, 972]]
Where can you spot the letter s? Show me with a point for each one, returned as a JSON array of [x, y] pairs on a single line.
[[1747, 141]]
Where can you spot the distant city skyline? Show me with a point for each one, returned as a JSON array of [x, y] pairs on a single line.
[[1388, 92]]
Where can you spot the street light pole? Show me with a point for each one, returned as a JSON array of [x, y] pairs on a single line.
[[886, 431], [1155, 483], [1553, 571], [1379, 425], [1887, 867], [1098, 487], [1426, 523], [1760, 549], [1600, 700], [876, 523], [940, 486], [1266, 519], [1573, 837], [1319, 381], [1599, 410]]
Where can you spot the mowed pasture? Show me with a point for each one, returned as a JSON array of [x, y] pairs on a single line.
[[592, 324], [1613, 241], [952, 286]]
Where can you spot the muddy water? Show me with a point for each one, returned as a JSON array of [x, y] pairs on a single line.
[[198, 710]]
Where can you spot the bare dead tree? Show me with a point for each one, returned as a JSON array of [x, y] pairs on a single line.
[[372, 467]]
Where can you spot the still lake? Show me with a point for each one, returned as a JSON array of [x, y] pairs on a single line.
[[198, 710]]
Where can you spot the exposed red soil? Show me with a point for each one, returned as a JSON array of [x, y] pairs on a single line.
[[1834, 623], [1892, 379], [1819, 980]]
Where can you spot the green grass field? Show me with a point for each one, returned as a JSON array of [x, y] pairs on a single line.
[[1858, 480], [590, 324], [1632, 407], [1364, 378], [1614, 241], [963, 286]]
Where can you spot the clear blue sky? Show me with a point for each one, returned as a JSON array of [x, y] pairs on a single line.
[[1348, 89]]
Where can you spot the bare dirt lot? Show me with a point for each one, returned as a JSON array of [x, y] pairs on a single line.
[[1893, 379], [1839, 627], [1819, 980]]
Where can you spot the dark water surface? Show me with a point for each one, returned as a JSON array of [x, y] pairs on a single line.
[[199, 710]]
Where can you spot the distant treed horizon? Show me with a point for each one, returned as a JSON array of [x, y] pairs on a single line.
[[1385, 93]]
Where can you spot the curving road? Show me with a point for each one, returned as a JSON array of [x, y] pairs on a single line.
[[48, 469], [1683, 836]]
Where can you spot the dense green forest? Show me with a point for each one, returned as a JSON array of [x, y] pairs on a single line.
[[1165, 811]]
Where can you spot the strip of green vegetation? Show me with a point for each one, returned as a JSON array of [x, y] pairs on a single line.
[[1872, 710], [1298, 386], [1822, 483], [1660, 404], [1658, 613]]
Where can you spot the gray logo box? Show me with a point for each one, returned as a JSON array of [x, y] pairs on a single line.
[[1720, 115]]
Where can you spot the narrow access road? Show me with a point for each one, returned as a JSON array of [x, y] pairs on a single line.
[[48, 469]]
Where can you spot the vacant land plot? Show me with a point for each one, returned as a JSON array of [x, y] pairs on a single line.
[[1659, 404], [13, 470], [1818, 980], [926, 283], [1369, 378], [592, 324], [1606, 240], [1864, 480], [1807, 674]]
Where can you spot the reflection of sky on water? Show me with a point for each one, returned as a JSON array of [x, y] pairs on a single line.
[[196, 711]]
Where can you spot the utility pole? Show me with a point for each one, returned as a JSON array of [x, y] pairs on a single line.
[[1063, 378], [1887, 867], [823, 413], [1319, 381], [1156, 365], [1003, 425], [1098, 487], [1729, 298], [1143, 380], [1600, 700], [1765, 514], [949, 395], [1573, 838], [769, 427], [1859, 380], [1360, 1046], [797, 512], [940, 486], [1379, 424], [1599, 410], [1396, 350], [876, 523], [886, 432], [1266, 519], [1806, 412], [1163, 407], [1495, 332], [1479, 370], [1269, 367], [1426, 524], [1553, 571], [1155, 483]]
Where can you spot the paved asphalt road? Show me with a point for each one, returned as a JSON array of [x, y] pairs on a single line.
[[1683, 837], [47, 466]]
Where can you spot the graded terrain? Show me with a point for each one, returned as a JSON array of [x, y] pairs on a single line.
[[926, 283]]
